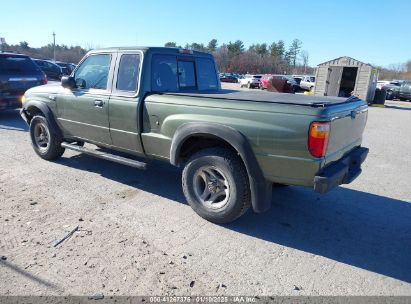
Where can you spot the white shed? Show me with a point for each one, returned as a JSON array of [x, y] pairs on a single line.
[[345, 76]]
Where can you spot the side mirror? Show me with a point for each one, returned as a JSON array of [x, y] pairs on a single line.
[[68, 82]]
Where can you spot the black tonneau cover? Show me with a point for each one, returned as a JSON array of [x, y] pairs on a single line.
[[273, 97]]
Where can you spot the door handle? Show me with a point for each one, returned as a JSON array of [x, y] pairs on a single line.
[[98, 103]]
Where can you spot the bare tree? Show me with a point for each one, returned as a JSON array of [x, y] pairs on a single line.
[[304, 58]]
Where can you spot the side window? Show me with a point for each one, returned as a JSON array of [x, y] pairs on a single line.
[[206, 74], [93, 72], [186, 74], [164, 73], [128, 73]]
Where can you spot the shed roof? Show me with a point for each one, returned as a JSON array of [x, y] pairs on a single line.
[[344, 60]]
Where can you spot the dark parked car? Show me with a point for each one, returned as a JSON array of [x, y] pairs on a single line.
[[405, 91], [228, 78], [18, 73], [66, 67], [393, 89], [52, 70]]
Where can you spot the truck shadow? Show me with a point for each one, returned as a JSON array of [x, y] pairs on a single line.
[[11, 120], [360, 229], [356, 228], [160, 178], [398, 107]]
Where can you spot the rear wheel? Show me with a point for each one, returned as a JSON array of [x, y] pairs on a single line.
[[45, 142], [215, 184]]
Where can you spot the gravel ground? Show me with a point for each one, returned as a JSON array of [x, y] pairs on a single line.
[[137, 236]]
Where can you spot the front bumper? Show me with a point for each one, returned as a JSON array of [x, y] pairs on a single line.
[[342, 171]]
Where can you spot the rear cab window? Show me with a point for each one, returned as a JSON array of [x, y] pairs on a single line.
[[171, 73]]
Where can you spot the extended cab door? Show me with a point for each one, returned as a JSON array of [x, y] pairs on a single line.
[[124, 101], [83, 111]]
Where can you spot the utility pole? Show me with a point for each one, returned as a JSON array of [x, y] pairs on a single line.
[[54, 46]]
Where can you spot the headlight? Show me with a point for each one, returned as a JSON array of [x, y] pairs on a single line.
[[23, 99]]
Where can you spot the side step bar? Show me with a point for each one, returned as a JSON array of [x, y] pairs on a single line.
[[106, 156]]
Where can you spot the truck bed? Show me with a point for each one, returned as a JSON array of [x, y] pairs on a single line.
[[269, 97]]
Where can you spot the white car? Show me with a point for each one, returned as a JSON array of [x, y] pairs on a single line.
[[307, 82], [250, 81], [381, 83]]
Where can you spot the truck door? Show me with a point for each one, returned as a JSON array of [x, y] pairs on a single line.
[[333, 81], [124, 100], [83, 111]]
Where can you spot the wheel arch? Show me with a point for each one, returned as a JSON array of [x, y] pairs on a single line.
[[226, 136], [35, 107]]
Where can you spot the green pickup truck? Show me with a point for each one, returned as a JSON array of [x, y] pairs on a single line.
[[136, 104]]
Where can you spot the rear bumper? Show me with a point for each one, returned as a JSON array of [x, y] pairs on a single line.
[[342, 171]]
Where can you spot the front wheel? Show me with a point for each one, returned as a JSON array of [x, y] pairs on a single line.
[[215, 184], [45, 142]]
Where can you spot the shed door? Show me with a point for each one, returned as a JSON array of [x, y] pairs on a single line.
[[333, 81]]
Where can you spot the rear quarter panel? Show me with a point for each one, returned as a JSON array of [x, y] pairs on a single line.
[[277, 133]]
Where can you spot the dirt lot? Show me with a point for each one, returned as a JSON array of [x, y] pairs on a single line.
[[137, 236]]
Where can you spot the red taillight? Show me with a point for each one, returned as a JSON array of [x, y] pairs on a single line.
[[318, 138], [45, 80]]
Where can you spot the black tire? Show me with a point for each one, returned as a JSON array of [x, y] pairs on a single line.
[[389, 95], [45, 142], [230, 180]]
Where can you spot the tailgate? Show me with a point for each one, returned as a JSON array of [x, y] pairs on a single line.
[[347, 127]]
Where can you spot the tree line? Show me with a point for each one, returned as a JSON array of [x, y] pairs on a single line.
[[401, 71], [72, 54], [230, 57], [259, 58]]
